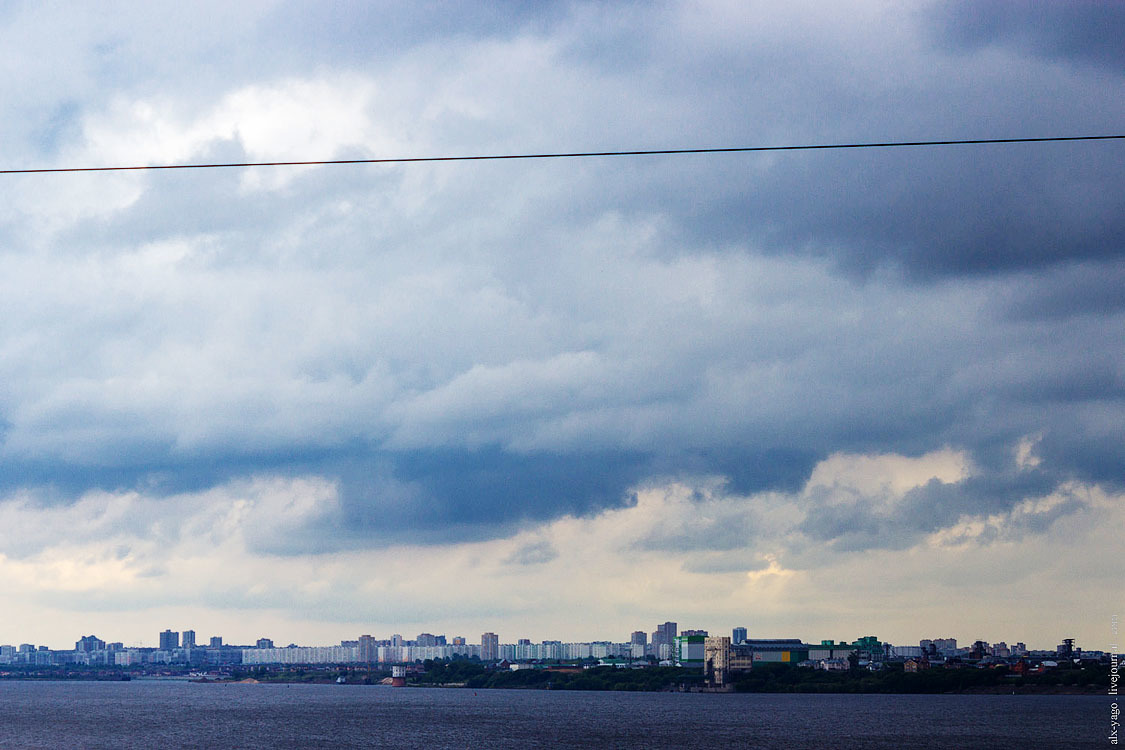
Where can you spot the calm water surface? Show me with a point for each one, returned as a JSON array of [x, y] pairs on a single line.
[[146, 714]]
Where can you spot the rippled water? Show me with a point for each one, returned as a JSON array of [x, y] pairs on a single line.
[[146, 714]]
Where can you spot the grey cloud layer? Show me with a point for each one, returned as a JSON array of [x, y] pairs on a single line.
[[1080, 30], [465, 347]]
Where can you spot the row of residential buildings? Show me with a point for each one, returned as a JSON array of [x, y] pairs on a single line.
[[667, 645]]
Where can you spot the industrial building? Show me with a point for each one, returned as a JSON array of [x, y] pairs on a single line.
[[689, 650]]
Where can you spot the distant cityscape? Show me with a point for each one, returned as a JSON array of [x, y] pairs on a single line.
[[718, 657]]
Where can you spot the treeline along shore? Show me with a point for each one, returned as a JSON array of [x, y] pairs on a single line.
[[769, 678], [765, 678]]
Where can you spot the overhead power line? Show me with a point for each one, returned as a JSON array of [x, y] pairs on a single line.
[[573, 155]]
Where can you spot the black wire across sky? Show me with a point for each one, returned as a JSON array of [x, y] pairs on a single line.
[[573, 155]]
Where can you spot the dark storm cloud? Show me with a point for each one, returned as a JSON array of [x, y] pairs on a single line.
[[1092, 449], [1084, 30], [359, 31], [856, 524], [937, 505], [750, 465], [1076, 289], [478, 491], [932, 212]]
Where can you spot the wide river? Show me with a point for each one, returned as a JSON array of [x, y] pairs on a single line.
[[155, 714]]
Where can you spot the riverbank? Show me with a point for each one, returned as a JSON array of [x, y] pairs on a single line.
[[765, 678], [773, 678]]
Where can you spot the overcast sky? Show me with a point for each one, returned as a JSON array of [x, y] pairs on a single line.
[[818, 394]]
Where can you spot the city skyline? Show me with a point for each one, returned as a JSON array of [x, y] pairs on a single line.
[[820, 393], [663, 633], [718, 659]]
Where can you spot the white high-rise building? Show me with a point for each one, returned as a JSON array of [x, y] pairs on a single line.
[[489, 647]]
